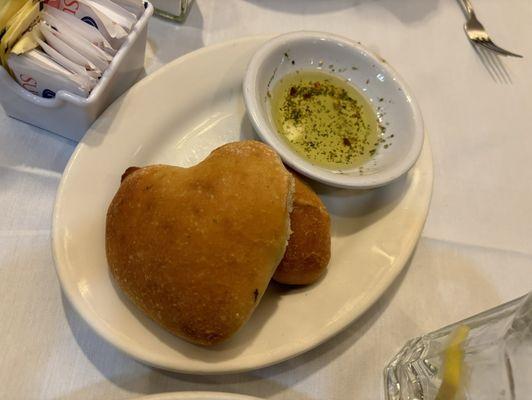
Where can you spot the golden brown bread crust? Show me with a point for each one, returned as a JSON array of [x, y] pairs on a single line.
[[196, 248], [309, 247]]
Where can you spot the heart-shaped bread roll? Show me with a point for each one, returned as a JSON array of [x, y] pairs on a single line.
[[195, 248]]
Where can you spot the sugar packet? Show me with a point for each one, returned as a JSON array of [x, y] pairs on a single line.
[[40, 75], [67, 63], [16, 26], [33, 38], [117, 14], [8, 8], [113, 32], [65, 21], [80, 45], [27, 42], [55, 42]]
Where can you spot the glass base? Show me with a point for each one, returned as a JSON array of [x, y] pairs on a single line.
[[407, 372], [175, 18]]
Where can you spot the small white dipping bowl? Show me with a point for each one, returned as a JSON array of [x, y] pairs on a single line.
[[368, 73]]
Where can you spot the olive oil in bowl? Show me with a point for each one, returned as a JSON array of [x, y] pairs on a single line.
[[325, 119]]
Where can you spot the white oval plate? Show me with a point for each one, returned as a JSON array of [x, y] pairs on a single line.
[[177, 116], [196, 396]]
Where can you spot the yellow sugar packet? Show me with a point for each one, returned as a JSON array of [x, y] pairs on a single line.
[[8, 8], [17, 26], [27, 42]]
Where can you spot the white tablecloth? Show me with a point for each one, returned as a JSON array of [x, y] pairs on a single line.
[[475, 251]]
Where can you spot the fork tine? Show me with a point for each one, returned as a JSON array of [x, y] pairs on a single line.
[[488, 43], [503, 51], [487, 46]]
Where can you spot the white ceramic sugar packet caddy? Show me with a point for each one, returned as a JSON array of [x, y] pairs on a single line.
[[70, 115]]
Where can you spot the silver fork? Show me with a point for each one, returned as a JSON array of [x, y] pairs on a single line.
[[478, 35]]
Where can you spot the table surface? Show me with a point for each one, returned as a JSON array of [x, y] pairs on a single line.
[[475, 251]]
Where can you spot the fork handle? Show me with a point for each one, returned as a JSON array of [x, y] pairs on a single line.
[[468, 7]]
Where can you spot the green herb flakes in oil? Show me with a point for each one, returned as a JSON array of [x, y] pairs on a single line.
[[325, 119]]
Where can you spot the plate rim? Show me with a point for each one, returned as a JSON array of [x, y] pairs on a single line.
[[194, 395], [214, 368]]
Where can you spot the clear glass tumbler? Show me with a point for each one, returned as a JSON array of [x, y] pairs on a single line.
[[484, 357]]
